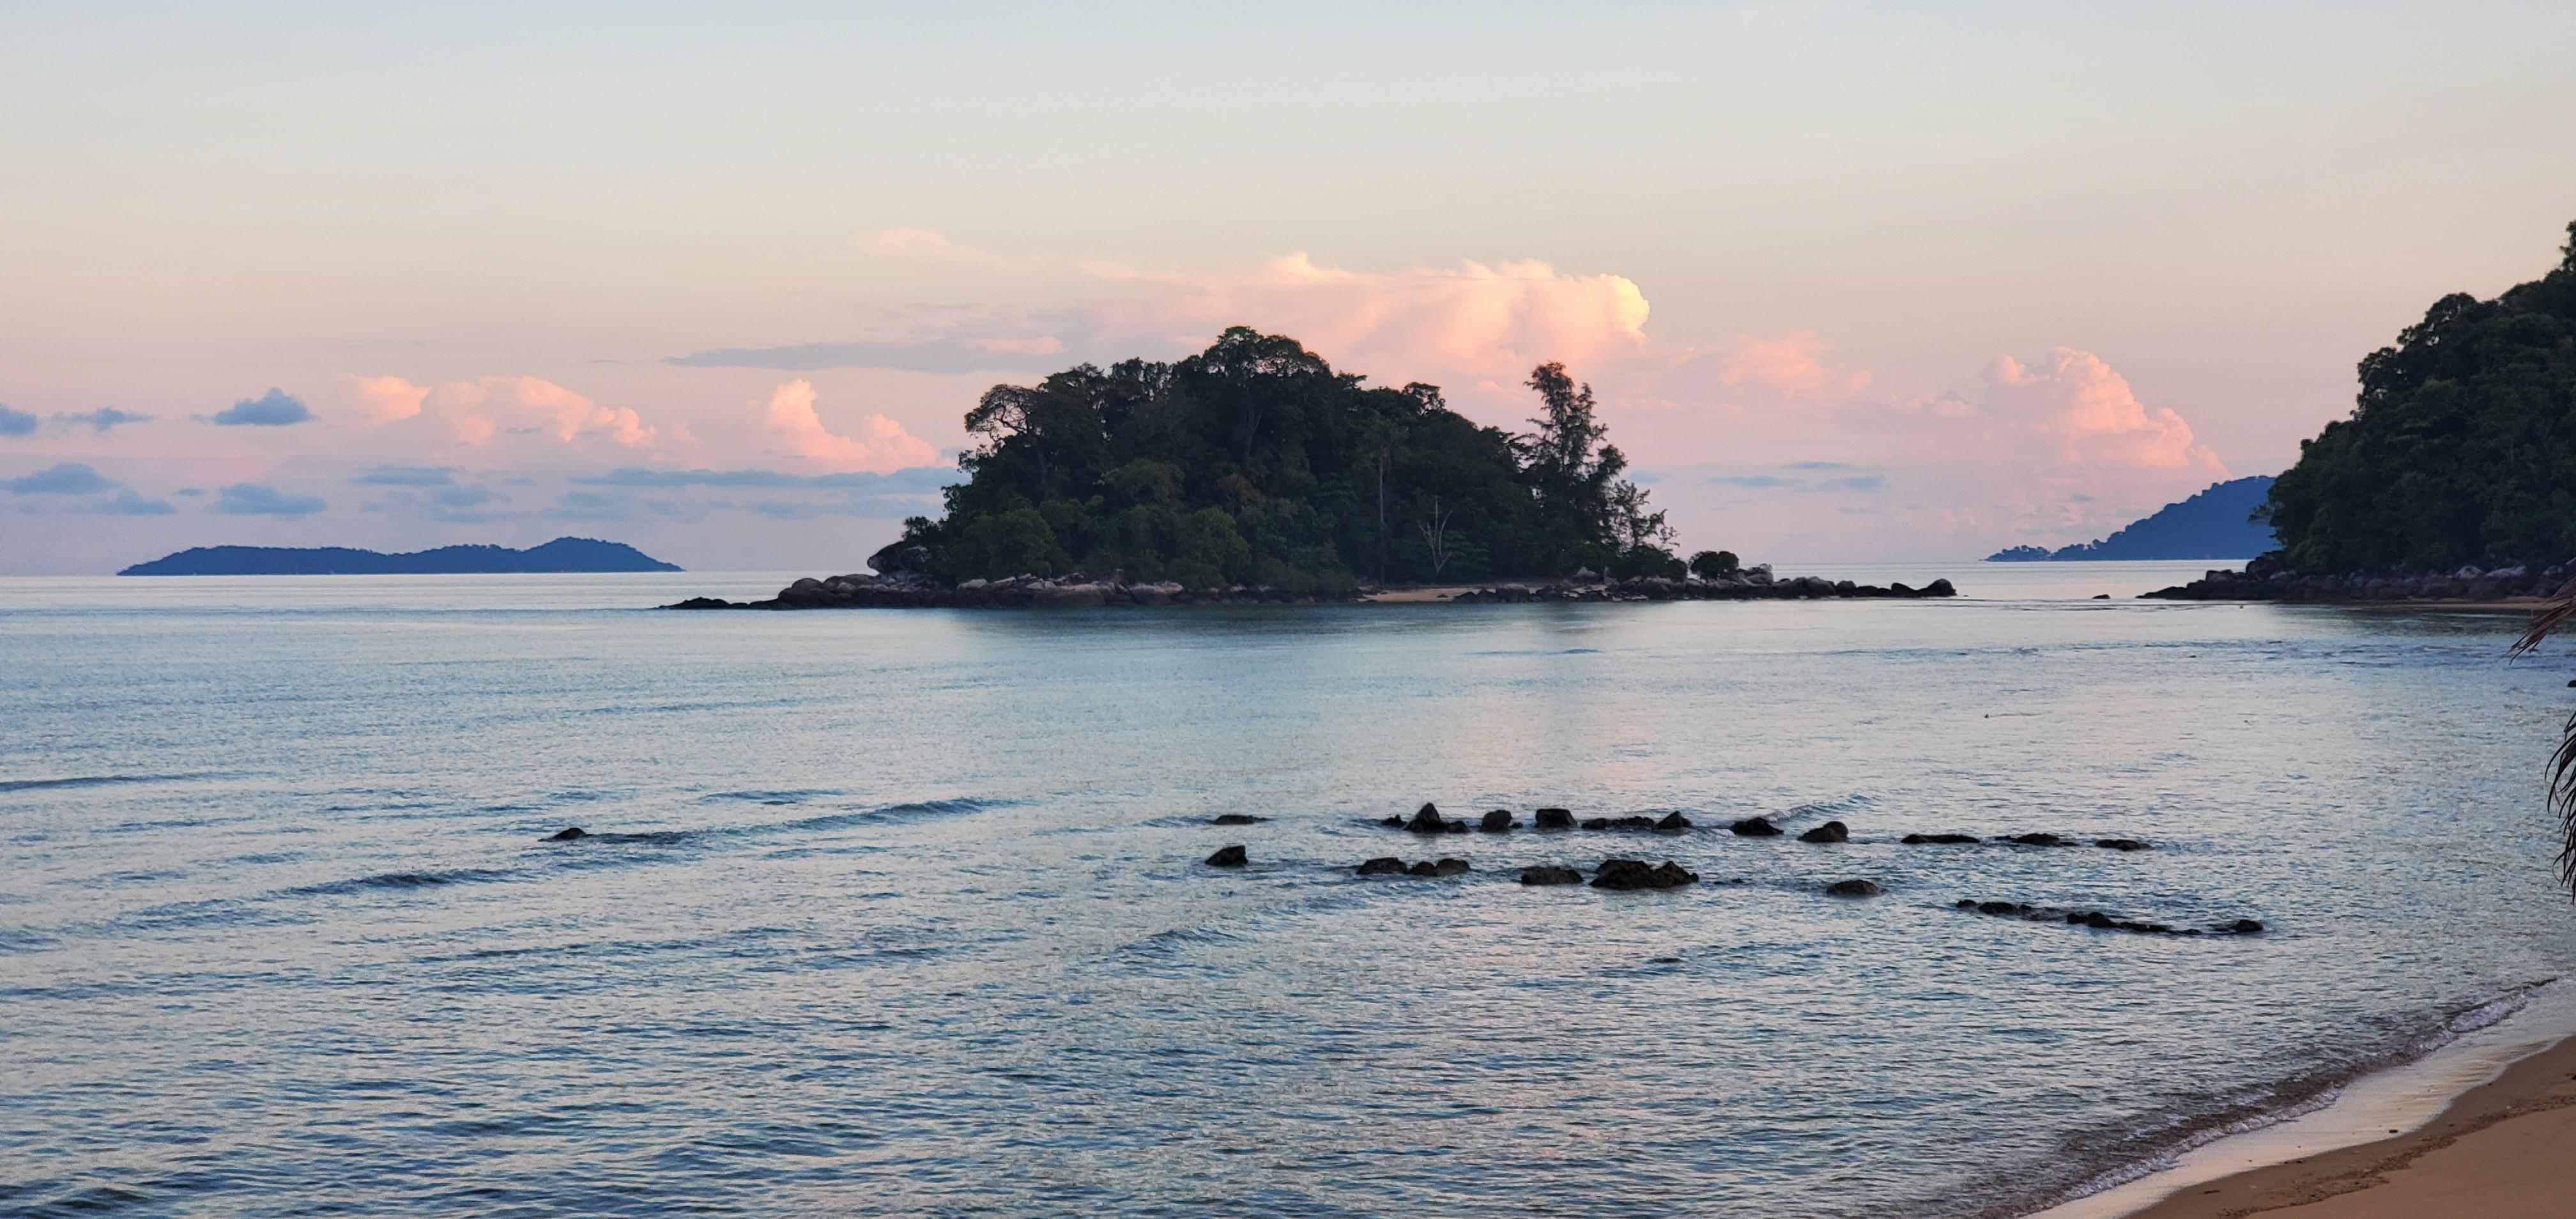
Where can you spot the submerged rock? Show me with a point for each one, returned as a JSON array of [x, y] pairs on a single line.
[[1913, 840], [2120, 844], [1444, 867], [568, 834], [1852, 888], [1383, 865], [1227, 857], [1755, 827], [1549, 874], [1634, 874], [1555, 819], [1497, 822], [2037, 840], [1236, 819], [1619, 823], [2245, 926], [1831, 831]]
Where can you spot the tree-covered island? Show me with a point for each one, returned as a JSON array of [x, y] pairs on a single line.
[[1254, 462]]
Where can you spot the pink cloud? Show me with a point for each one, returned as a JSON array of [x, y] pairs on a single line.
[[1477, 323], [2076, 404], [477, 409], [881, 445], [386, 399]]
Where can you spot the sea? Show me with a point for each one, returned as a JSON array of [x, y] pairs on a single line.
[[903, 912]]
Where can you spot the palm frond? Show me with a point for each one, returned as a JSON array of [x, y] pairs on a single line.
[[2552, 615]]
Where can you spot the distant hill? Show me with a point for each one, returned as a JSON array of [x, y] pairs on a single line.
[[559, 555], [2211, 525]]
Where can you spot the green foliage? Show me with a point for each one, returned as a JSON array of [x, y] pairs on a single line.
[[1714, 564], [1253, 462], [2461, 447]]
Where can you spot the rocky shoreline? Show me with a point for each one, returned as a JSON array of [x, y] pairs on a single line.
[[912, 589], [2270, 578]]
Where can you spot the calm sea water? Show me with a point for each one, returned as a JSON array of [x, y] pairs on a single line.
[[902, 912]]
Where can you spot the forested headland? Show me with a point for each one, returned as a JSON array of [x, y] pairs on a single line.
[[2461, 448], [1254, 462]]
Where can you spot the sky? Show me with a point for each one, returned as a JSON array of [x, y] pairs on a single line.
[[1853, 281]]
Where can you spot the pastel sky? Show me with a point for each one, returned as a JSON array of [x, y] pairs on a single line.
[[1854, 281]]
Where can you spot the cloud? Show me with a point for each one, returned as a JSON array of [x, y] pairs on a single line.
[[461, 497], [68, 478], [272, 409], [881, 445], [2086, 413], [102, 419], [255, 499], [952, 353], [386, 399], [476, 409], [407, 476], [15, 423], [129, 502]]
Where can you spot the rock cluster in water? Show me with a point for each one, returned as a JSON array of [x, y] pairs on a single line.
[[2270, 578], [2097, 920]]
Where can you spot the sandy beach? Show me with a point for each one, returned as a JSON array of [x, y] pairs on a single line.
[[2504, 1150]]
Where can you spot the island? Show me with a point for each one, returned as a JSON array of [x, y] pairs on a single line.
[[562, 555], [2217, 523], [1256, 472]]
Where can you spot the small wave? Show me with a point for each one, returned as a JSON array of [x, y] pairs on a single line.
[[792, 795], [29, 785], [397, 880]]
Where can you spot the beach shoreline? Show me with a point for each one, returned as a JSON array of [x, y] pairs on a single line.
[[2480, 1125]]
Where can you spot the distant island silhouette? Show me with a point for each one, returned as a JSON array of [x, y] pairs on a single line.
[[2214, 524], [559, 555]]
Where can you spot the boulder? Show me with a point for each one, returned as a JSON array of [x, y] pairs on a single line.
[[2119, 844], [1427, 820], [2245, 926], [568, 834], [1227, 857], [1673, 821], [1852, 888], [1235, 819], [1916, 840], [1940, 588], [2037, 840], [1383, 865], [1755, 827], [1563, 819], [1548, 874], [1497, 822], [900, 556], [1392, 823], [1831, 831], [1449, 867], [1634, 874]]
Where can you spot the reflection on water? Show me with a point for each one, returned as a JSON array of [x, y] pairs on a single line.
[[903, 911]]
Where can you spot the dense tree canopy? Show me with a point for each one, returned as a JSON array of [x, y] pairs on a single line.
[[2461, 447], [1253, 462]]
